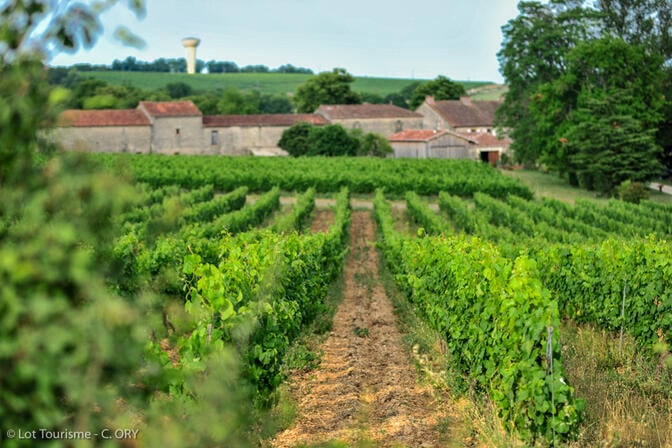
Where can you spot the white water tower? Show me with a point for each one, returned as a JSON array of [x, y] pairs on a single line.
[[190, 43]]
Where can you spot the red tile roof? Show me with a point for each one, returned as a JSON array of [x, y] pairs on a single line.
[[106, 117], [416, 135], [170, 108], [224, 121], [425, 135], [487, 140], [361, 111], [466, 112]]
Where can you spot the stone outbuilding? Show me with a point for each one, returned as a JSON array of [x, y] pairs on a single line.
[[464, 115], [430, 143], [176, 126], [104, 130], [383, 119], [250, 134], [490, 147]]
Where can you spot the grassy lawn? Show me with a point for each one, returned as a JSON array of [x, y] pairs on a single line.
[[266, 83], [543, 184]]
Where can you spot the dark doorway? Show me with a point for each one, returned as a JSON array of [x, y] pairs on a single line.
[[490, 157]]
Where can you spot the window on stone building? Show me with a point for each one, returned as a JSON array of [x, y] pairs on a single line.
[[398, 126], [177, 131], [214, 138]]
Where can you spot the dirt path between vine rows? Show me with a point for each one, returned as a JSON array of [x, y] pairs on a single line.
[[365, 391]]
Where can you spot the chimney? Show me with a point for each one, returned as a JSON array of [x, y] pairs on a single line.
[[429, 99]]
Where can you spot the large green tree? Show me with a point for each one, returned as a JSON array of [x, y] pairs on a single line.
[[326, 88], [441, 88], [533, 53], [557, 54], [602, 68]]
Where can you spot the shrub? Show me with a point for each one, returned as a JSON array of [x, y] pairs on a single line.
[[632, 191]]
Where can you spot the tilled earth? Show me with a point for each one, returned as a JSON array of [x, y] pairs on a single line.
[[365, 389]]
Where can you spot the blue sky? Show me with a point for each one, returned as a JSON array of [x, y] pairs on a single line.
[[454, 38]]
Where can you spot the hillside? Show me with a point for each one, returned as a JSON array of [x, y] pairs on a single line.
[[488, 92], [266, 83]]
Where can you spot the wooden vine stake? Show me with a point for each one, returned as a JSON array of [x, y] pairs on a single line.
[[549, 371], [620, 344]]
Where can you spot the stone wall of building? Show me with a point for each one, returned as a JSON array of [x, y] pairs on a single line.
[[451, 152], [431, 118], [475, 129], [383, 126], [239, 140], [178, 135], [133, 139], [412, 150]]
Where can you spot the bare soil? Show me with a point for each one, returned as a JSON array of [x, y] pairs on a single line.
[[365, 391], [322, 221]]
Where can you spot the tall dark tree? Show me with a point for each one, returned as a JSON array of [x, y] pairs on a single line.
[[326, 88], [597, 68], [664, 135], [533, 53], [597, 121], [608, 147]]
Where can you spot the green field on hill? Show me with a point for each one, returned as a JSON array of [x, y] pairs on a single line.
[[266, 83]]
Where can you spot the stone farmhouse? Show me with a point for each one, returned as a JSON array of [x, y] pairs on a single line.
[[442, 129], [463, 115]]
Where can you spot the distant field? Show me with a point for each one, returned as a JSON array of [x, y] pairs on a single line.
[[266, 83]]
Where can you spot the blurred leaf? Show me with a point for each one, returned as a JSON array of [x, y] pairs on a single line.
[[138, 7], [125, 36]]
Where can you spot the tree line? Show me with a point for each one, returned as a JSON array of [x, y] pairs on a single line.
[[587, 89], [179, 65]]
